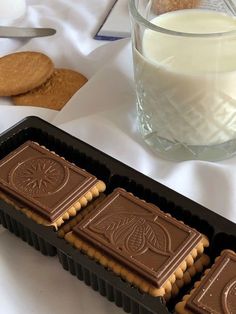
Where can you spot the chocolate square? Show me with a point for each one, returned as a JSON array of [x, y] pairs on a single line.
[[138, 235], [217, 290], [43, 181]]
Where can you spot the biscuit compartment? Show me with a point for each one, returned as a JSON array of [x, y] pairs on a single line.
[[11, 215], [220, 232], [140, 243], [27, 230], [109, 285]]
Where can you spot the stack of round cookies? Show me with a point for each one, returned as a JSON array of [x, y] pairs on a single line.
[[31, 80]]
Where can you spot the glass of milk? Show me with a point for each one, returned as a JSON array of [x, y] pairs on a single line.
[[184, 55]]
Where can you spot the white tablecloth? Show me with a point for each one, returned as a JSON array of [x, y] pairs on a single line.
[[101, 113]]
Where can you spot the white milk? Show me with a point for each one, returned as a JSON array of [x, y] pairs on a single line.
[[187, 85]]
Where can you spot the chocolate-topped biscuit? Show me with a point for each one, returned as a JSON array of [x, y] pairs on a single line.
[[138, 241], [45, 186], [216, 292]]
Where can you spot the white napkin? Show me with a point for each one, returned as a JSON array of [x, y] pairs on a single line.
[[35, 284], [76, 25], [14, 114]]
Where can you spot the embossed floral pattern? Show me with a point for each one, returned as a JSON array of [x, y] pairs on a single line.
[[38, 176]]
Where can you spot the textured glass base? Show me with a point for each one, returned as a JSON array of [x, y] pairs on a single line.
[[178, 151]]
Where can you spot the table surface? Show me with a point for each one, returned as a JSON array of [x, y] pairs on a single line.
[[101, 113]]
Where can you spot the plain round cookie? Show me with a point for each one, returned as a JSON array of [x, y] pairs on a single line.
[[23, 71], [163, 6], [54, 93]]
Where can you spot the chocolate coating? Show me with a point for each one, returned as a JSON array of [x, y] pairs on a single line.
[[217, 290], [41, 180], [138, 235]]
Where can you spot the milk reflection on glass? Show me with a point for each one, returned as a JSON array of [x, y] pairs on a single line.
[[186, 84]]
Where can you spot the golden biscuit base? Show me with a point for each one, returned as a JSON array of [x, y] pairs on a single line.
[[23, 71], [73, 222], [131, 277], [180, 307], [55, 92], [163, 6], [198, 266]]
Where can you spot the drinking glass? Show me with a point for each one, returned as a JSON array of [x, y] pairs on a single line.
[[184, 56]]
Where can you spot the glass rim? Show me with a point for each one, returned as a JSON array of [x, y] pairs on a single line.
[[138, 17]]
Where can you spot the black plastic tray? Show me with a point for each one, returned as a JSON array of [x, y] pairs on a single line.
[[221, 232]]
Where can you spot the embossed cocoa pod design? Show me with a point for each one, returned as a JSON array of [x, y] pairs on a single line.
[[134, 234], [136, 242]]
